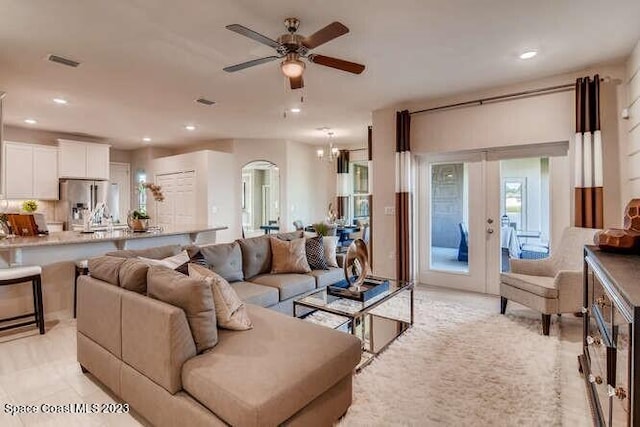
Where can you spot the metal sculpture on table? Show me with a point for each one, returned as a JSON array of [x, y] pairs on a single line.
[[356, 264]]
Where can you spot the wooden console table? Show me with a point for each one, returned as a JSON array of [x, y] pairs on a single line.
[[610, 361]]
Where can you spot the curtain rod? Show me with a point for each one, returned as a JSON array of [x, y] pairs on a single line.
[[525, 93], [481, 101]]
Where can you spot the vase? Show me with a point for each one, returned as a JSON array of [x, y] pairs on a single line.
[[137, 225]]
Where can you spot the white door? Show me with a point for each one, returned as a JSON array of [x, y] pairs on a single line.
[[459, 224], [119, 193], [179, 205]]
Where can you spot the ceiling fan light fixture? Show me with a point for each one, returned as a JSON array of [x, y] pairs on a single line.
[[292, 67]]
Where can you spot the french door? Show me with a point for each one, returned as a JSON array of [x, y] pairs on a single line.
[[459, 222]]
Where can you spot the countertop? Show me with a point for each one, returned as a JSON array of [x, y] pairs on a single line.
[[75, 237]]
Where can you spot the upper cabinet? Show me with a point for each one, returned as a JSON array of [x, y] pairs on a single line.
[[30, 171], [83, 160]]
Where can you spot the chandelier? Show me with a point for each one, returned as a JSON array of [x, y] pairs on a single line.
[[330, 153]]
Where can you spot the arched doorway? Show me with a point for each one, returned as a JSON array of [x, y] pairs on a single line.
[[260, 196]]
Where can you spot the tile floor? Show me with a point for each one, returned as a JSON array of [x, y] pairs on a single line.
[[37, 369]]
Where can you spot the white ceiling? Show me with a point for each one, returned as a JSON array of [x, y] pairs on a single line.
[[145, 61]]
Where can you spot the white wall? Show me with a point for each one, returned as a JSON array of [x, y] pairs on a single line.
[[308, 193], [217, 197], [631, 155], [538, 119]]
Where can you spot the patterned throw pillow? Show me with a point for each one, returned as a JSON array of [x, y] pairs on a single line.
[[315, 253]]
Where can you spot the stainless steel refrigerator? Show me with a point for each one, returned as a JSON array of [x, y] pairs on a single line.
[[77, 195]]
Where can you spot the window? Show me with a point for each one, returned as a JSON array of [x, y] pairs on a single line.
[[360, 185], [514, 201]]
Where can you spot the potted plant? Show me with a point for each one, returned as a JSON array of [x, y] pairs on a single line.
[[138, 220], [30, 206]]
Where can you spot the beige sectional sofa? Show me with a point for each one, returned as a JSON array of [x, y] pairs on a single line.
[[282, 371]]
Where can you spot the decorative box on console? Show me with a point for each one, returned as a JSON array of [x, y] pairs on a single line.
[[372, 287]]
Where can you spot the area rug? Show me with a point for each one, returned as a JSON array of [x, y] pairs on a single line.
[[461, 366]]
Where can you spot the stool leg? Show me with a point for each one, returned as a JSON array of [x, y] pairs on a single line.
[[75, 293], [40, 311], [34, 289]]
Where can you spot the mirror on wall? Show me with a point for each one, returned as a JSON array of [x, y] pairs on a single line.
[[260, 195]]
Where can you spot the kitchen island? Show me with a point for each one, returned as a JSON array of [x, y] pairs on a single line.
[[57, 253]]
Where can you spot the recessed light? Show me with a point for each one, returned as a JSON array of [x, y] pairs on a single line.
[[190, 127], [60, 101], [295, 110], [528, 54], [30, 121], [146, 139]]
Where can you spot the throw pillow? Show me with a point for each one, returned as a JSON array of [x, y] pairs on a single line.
[[133, 275], [192, 295], [172, 262], [105, 268], [230, 310], [288, 256], [315, 253], [330, 244]]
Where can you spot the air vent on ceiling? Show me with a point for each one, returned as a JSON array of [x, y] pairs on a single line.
[[63, 61], [205, 101]]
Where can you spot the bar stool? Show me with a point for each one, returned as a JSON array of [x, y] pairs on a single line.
[[33, 273], [82, 269]]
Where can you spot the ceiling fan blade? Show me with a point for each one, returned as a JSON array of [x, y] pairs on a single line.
[[296, 82], [326, 34], [237, 28], [340, 64], [248, 64]]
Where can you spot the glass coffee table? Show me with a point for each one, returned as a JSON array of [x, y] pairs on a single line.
[[377, 322]]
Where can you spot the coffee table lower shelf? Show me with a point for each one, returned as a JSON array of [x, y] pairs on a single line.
[[377, 325]]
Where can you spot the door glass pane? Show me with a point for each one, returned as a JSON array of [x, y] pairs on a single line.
[[449, 217], [524, 209]]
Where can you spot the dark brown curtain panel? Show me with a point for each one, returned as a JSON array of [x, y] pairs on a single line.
[[588, 155], [403, 196], [342, 190]]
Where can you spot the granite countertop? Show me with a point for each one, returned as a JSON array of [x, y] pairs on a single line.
[[74, 237]]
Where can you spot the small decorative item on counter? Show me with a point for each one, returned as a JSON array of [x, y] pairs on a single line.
[[30, 206], [5, 228], [622, 240], [138, 221]]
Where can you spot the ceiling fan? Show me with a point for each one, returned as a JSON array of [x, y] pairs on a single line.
[[293, 46]]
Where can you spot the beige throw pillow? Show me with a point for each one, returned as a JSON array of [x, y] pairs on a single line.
[[330, 244], [230, 310], [191, 294], [288, 256], [171, 262]]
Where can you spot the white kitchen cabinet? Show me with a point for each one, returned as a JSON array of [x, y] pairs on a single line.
[[98, 161], [45, 172], [18, 170], [30, 171], [83, 160]]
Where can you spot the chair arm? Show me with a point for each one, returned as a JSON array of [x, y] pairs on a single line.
[[569, 285], [532, 267]]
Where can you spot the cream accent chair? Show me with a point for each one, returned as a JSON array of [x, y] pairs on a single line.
[[551, 285]]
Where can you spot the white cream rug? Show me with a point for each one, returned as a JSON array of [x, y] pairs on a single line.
[[461, 366]]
